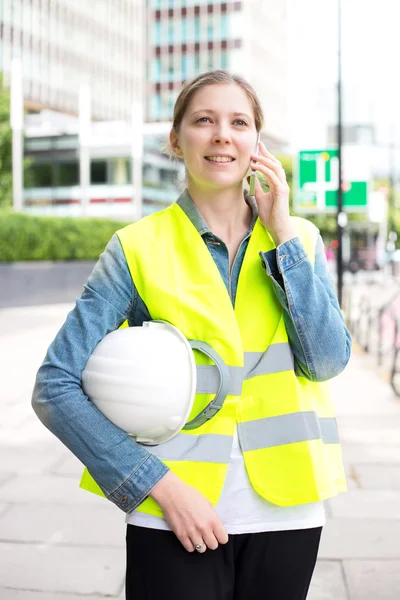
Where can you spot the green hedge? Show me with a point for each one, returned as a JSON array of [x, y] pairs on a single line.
[[25, 237]]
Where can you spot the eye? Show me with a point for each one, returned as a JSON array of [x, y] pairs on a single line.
[[201, 119], [241, 121]]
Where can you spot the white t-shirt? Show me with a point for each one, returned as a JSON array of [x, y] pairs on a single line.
[[242, 510]]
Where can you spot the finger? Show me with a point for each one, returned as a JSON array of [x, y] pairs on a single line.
[[272, 178], [275, 166], [200, 543], [267, 153], [220, 533], [187, 543], [210, 540]]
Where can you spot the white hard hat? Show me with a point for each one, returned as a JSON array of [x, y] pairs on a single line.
[[143, 379]]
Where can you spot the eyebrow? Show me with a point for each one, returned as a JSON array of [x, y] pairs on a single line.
[[234, 114]]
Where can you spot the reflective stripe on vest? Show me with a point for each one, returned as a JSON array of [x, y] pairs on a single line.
[[253, 435], [209, 448], [277, 358], [287, 429]]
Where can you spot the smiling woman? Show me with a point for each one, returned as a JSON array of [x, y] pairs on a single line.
[[230, 508]]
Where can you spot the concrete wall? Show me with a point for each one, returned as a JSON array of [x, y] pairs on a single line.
[[36, 283]]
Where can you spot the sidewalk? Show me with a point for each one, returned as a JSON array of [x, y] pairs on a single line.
[[60, 543]]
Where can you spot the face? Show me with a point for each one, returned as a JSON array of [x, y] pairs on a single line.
[[219, 122]]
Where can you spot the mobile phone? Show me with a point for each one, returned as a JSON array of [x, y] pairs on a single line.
[[253, 173]]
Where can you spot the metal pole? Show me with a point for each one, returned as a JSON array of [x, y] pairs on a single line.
[[341, 216]]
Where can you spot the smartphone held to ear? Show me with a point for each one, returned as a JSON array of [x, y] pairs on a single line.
[[253, 173]]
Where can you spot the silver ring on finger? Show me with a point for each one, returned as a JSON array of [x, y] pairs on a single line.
[[199, 547]]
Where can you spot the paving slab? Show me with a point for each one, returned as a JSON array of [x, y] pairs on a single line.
[[328, 582], [9, 594], [360, 539], [76, 525], [372, 429], [14, 416], [30, 459], [373, 580], [351, 479], [364, 394], [374, 422], [68, 466], [363, 504], [4, 477], [28, 489], [3, 509], [374, 477], [56, 569], [358, 453]]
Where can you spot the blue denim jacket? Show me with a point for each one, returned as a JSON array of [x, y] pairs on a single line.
[[125, 470]]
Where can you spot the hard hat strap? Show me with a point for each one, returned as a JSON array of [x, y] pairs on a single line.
[[217, 402]]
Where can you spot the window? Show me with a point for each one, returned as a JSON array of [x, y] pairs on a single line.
[[171, 67], [196, 29], [121, 171], [184, 67], [156, 106], [224, 26], [170, 33], [171, 102], [157, 33], [68, 173], [184, 30], [156, 71], [98, 171], [224, 60], [39, 175], [210, 33]]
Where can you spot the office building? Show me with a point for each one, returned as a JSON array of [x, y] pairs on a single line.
[[187, 37], [64, 43]]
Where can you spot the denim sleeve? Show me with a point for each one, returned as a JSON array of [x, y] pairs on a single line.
[[124, 469], [316, 329]]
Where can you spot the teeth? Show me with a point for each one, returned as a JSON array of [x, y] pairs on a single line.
[[219, 158]]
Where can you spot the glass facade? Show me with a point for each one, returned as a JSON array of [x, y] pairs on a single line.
[[65, 43], [185, 43]]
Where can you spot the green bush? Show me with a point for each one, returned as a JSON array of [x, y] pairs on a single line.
[[25, 237]]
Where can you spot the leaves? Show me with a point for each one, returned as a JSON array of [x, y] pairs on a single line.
[[24, 237], [6, 149]]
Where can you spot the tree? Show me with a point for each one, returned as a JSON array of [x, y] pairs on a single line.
[[5, 148], [6, 191]]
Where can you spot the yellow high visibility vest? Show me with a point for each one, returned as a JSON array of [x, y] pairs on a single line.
[[286, 424]]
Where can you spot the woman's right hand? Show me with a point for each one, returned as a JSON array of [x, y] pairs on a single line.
[[189, 514]]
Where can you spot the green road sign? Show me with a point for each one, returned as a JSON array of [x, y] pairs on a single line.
[[317, 183]]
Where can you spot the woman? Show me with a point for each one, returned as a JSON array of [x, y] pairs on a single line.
[[237, 513]]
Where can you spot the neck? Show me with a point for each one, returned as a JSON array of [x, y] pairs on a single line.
[[225, 211]]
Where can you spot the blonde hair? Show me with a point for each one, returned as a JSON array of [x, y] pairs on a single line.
[[191, 86]]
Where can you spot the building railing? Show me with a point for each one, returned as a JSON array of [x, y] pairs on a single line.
[[376, 328]]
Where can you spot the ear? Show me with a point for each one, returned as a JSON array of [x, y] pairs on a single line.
[[174, 142]]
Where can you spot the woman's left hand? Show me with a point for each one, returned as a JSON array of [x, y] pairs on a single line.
[[273, 206]]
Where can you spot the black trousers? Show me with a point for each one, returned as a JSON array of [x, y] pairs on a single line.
[[254, 566]]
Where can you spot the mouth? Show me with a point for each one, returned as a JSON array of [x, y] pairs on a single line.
[[220, 160]]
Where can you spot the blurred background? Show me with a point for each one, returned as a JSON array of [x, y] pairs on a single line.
[[86, 98], [90, 88]]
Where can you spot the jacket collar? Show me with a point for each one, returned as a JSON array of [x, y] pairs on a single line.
[[190, 209]]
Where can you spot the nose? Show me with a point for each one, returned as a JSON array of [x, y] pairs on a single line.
[[221, 135]]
